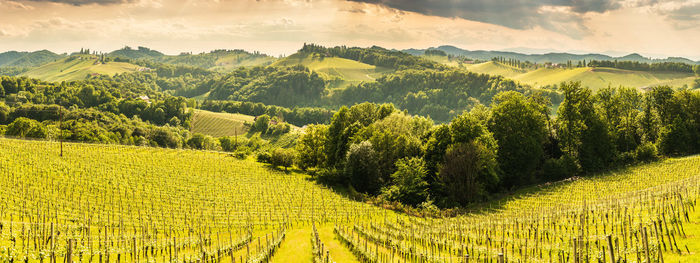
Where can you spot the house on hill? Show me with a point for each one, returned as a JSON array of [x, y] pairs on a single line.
[[145, 98]]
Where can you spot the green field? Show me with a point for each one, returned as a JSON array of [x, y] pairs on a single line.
[[78, 67], [594, 78], [219, 124], [150, 204], [346, 71]]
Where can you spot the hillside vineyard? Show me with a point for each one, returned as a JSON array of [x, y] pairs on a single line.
[[108, 203]]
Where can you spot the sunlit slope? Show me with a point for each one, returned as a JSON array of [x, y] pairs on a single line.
[[78, 67], [346, 70], [594, 78], [494, 68], [183, 205], [232, 61], [219, 124]]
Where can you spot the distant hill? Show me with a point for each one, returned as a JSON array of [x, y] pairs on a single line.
[[139, 53], [77, 67], [543, 58], [595, 78], [27, 59], [219, 60], [340, 71]]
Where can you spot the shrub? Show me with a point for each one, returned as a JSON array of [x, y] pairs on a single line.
[[264, 157], [283, 157], [646, 152]]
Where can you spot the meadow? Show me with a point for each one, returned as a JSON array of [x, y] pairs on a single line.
[[109, 203]]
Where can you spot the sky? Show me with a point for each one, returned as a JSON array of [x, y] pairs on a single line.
[[652, 28]]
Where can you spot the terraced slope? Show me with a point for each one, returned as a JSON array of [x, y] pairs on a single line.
[[221, 124]]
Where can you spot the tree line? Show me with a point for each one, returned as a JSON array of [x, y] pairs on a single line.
[[642, 66], [516, 141], [374, 56]]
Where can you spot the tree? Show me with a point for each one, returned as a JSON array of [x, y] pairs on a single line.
[[675, 139], [22, 126], [166, 138], [409, 185], [311, 146], [261, 124], [577, 102], [520, 131], [282, 157], [584, 134], [202, 142], [362, 167], [469, 172], [4, 113]]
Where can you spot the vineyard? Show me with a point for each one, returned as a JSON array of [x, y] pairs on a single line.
[[109, 203], [220, 124]]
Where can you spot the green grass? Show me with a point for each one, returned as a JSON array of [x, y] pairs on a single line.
[[206, 201], [219, 124], [78, 67], [595, 78], [296, 248]]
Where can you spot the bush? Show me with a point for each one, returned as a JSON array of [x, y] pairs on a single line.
[[362, 167], [261, 124], [283, 157], [409, 186], [264, 157], [646, 153], [202, 142], [23, 127], [558, 169]]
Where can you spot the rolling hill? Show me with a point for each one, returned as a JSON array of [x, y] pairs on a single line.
[[594, 78], [340, 71], [78, 67], [219, 60], [27, 59]]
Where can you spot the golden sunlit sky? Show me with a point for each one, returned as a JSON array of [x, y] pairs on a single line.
[[653, 28]]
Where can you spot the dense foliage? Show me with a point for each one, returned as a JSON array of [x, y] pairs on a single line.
[[285, 86], [374, 56], [516, 142], [440, 94]]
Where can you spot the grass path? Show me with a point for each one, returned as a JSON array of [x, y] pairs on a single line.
[[296, 247], [692, 229], [338, 252]]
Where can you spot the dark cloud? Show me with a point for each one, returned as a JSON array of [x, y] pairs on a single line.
[[685, 17], [521, 14], [84, 2]]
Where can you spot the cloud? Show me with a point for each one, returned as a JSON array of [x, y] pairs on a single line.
[[85, 2], [684, 16], [15, 5], [565, 16]]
